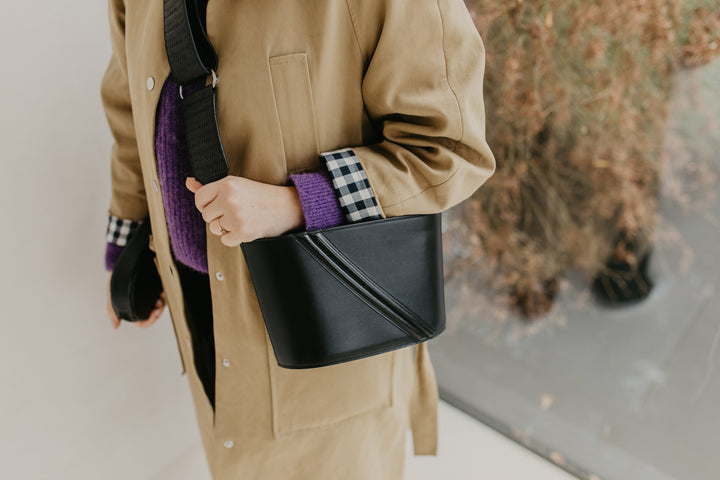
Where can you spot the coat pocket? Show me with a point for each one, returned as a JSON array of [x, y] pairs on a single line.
[[295, 111], [317, 397]]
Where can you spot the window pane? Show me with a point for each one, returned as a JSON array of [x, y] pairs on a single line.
[[581, 280]]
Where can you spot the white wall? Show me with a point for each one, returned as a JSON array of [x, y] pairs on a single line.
[[78, 400]]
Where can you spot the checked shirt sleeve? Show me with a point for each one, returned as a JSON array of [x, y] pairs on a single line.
[[118, 232], [351, 185]]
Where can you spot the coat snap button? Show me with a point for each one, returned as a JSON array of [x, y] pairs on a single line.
[[150, 83], [229, 444], [219, 276], [226, 362]]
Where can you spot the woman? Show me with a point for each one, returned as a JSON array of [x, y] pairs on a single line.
[[370, 108]]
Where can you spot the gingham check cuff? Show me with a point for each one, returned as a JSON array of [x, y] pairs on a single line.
[[119, 230], [351, 185]]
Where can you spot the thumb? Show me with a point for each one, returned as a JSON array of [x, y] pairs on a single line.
[[192, 184]]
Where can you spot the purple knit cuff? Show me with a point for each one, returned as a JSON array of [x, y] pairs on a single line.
[[112, 252], [321, 208]]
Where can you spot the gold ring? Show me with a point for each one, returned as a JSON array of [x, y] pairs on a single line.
[[222, 230]]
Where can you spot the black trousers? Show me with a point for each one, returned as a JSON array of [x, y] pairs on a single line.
[[198, 312]]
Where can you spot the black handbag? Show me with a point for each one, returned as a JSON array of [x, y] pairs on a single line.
[[344, 293], [326, 296], [135, 284]]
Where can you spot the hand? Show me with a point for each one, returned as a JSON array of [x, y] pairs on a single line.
[[154, 315], [246, 209]]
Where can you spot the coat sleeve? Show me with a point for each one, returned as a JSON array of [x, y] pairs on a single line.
[[423, 92], [128, 199], [128, 204]]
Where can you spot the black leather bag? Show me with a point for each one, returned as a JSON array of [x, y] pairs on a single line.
[[135, 284], [344, 293]]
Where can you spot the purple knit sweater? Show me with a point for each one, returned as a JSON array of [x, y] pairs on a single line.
[[186, 226]]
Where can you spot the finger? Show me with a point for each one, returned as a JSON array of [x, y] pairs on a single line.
[[232, 239], [216, 225], [205, 197], [145, 323], [214, 229], [212, 211], [160, 303], [114, 320], [192, 184], [204, 194], [159, 306], [155, 314]]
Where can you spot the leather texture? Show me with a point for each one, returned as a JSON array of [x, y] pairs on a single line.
[[344, 293], [135, 283]]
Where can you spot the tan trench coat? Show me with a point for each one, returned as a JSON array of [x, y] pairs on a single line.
[[400, 81]]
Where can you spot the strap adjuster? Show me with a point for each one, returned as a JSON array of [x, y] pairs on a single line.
[[215, 81]]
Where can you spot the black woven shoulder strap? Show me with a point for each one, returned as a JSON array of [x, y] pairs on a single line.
[[192, 59]]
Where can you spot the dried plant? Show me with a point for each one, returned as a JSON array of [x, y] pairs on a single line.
[[577, 95], [700, 33]]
